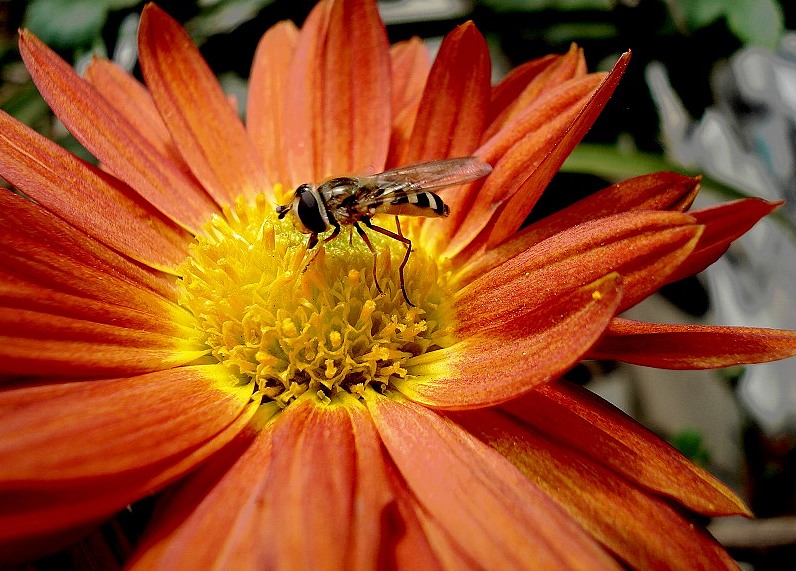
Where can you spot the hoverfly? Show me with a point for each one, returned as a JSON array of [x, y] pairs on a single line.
[[347, 201]]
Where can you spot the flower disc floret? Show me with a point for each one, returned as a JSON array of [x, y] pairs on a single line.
[[294, 320]]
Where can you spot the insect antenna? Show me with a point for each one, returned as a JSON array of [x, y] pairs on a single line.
[[401, 238]]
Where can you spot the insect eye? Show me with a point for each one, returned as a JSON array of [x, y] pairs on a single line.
[[308, 210]]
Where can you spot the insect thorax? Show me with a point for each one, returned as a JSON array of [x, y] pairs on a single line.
[[343, 200]]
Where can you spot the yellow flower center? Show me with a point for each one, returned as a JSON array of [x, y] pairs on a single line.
[[294, 320]]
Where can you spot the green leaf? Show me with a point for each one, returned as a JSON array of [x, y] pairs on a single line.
[[121, 4], [235, 86], [66, 25], [6, 45], [614, 163], [579, 31], [26, 105], [758, 22], [699, 13], [223, 17], [538, 5], [691, 445]]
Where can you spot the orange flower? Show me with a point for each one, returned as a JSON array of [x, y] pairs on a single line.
[[160, 325]]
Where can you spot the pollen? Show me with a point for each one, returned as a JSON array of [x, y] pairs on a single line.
[[288, 320]]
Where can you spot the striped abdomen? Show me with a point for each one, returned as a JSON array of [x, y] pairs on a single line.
[[424, 203]]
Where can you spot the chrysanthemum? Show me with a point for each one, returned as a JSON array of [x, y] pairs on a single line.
[[161, 327]]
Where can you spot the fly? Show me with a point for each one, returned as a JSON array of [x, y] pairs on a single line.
[[349, 201]]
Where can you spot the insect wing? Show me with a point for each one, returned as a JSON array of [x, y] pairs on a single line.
[[413, 179]]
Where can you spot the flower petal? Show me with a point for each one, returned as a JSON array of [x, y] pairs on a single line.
[[405, 532], [615, 512], [132, 100], [79, 423], [477, 496], [160, 316], [303, 105], [659, 191], [515, 152], [513, 356], [447, 554], [267, 93], [69, 359], [513, 211], [505, 93], [205, 128], [643, 247], [70, 511], [524, 169], [372, 496], [15, 554], [314, 479], [547, 74], [455, 101], [338, 109], [723, 224], [90, 200], [95, 464], [317, 501], [87, 299], [34, 343], [212, 512], [24, 222], [113, 139], [44, 267], [692, 346], [615, 440], [410, 69], [356, 100]]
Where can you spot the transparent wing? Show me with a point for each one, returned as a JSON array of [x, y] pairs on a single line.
[[414, 179]]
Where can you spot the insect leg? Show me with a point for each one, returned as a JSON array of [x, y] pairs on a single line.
[[405, 241], [313, 241], [365, 238], [333, 235], [309, 253], [406, 259]]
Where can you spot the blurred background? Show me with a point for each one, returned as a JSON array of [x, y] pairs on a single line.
[[711, 90]]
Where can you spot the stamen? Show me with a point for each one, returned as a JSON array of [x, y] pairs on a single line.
[[338, 324]]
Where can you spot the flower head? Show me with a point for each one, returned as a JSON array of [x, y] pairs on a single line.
[[162, 326]]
